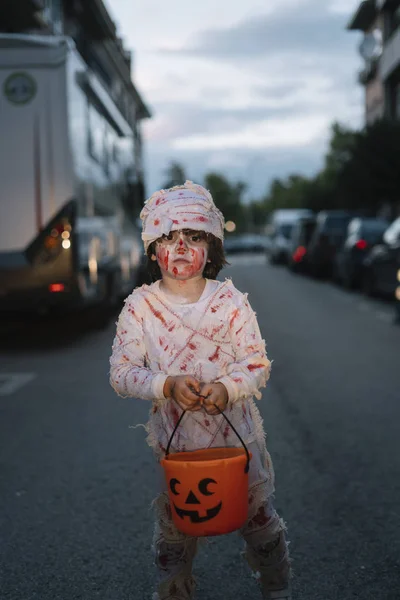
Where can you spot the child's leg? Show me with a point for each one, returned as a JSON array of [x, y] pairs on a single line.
[[174, 554], [266, 548]]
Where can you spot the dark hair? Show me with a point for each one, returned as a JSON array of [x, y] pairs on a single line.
[[216, 256]]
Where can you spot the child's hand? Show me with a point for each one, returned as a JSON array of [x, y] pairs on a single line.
[[184, 389], [215, 393]]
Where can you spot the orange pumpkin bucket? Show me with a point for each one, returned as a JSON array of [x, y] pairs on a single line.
[[208, 489]]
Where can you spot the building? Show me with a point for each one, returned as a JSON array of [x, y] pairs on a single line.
[[379, 20], [89, 24]]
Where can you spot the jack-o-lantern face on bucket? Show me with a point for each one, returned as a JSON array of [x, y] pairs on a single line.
[[208, 490], [196, 504]]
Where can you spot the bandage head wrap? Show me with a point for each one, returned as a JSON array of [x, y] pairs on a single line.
[[188, 206]]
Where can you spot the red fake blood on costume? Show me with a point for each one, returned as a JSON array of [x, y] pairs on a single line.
[[234, 316], [254, 367], [201, 219], [156, 222], [216, 330], [215, 356], [226, 432], [156, 312]]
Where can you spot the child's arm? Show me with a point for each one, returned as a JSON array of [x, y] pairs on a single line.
[[129, 375], [251, 368]]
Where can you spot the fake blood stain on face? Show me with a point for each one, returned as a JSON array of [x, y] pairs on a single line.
[[182, 263]]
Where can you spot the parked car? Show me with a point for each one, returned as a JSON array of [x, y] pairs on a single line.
[[382, 264], [279, 230], [299, 242], [249, 242], [362, 235], [327, 238]]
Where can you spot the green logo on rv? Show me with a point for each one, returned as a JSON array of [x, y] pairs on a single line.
[[20, 88]]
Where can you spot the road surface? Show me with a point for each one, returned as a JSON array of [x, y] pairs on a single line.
[[77, 480]]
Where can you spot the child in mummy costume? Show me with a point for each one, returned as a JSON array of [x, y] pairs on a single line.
[[188, 334]]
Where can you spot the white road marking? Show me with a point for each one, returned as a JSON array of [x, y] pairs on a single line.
[[11, 382]]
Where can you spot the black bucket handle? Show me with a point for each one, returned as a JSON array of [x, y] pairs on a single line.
[[246, 469]]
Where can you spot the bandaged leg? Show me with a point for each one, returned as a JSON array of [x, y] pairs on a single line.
[[174, 554], [266, 547]]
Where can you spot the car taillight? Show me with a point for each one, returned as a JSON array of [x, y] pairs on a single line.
[[56, 287], [56, 239], [361, 245], [299, 254]]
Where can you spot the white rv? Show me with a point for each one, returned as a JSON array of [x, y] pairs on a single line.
[[66, 161]]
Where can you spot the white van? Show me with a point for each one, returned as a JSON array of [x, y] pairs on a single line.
[[279, 230]]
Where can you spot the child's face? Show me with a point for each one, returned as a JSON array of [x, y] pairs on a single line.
[[182, 254]]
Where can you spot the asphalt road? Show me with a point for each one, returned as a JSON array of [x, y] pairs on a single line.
[[77, 481]]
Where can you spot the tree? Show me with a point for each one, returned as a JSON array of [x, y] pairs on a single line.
[[371, 178], [228, 198], [175, 175]]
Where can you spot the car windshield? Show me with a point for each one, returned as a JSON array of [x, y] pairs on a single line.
[[337, 223], [373, 232], [285, 230]]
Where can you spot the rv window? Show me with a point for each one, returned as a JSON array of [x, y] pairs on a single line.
[[95, 134]]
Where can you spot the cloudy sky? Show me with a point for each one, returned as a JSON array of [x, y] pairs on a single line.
[[245, 88]]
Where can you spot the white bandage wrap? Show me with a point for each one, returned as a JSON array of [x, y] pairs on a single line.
[[189, 206]]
